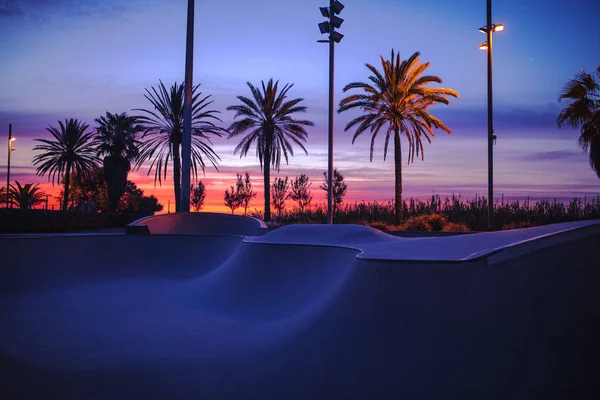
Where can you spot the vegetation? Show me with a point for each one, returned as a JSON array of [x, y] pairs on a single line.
[[245, 191], [267, 120], [339, 188], [397, 97], [27, 196], [300, 192], [198, 195], [232, 199], [93, 167], [280, 194], [583, 111], [451, 213], [163, 133], [134, 201], [116, 139], [71, 150], [91, 195]]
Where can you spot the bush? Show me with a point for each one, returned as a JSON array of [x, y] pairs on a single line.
[[382, 226], [436, 221], [454, 227], [517, 225], [420, 223]]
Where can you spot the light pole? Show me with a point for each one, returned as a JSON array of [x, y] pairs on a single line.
[[488, 29], [10, 150], [186, 142], [335, 7]]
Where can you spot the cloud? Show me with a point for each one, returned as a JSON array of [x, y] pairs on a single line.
[[43, 10], [557, 155]]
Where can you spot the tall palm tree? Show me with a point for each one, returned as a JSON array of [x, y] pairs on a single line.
[[583, 111], [27, 196], [267, 120], [163, 133], [72, 150], [398, 97], [116, 138]]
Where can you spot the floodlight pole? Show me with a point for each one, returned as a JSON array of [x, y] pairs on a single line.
[[8, 167], [331, 108], [490, 110], [186, 143]]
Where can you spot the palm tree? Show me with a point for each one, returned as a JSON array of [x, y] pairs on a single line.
[[583, 111], [116, 138], [71, 150], [163, 133], [27, 196], [267, 120], [398, 97]]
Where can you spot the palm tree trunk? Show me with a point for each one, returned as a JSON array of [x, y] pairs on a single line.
[[398, 170], [66, 191], [267, 181], [177, 175]]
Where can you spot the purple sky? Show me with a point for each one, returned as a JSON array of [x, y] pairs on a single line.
[[80, 58]]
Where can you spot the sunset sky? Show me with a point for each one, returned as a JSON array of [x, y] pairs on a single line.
[[80, 58]]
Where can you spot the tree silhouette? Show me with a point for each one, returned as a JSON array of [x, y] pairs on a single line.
[[583, 111], [397, 97], [280, 194], [339, 188], [300, 192], [267, 119], [72, 150], [117, 141], [27, 196], [163, 133], [245, 191], [232, 199], [198, 196]]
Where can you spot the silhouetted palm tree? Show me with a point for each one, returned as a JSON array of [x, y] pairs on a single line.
[[27, 196], [163, 133], [399, 98], [267, 120], [116, 138], [72, 150], [583, 111]]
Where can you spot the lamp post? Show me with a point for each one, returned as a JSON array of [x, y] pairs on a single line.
[[10, 150], [186, 143], [335, 7], [488, 29]]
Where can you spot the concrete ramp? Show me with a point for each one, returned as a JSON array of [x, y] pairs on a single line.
[[195, 223], [263, 282], [332, 312]]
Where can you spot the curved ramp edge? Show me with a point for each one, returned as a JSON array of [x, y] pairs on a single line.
[[196, 223], [374, 245]]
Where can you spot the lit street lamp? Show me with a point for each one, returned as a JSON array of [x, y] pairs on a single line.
[[10, 150], [335, 7], [487, 45]]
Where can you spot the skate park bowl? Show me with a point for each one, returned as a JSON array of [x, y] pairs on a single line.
[[303, 311]]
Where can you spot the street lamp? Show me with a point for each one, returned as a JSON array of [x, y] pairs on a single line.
[[488, 29], [328, 27], [186, 142], [10, 150]]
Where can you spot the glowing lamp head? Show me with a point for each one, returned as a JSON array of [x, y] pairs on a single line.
[[498, 28], [483, 46]]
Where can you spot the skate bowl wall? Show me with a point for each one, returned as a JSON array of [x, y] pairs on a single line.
[[194, 223], [62, 261]]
